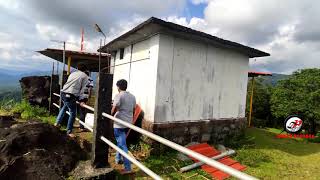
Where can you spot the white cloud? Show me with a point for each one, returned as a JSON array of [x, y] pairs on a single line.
[[288, 29]]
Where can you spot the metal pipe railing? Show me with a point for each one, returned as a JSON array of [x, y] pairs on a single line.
[[198, 156], [130, 158], [81, 122]]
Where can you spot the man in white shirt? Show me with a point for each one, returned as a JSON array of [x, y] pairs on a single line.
[[72, 90]]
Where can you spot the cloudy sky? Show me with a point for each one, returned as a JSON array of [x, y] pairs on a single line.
[[288, 29]]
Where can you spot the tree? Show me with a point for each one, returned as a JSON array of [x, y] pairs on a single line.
[[300, 95], [261, 114]]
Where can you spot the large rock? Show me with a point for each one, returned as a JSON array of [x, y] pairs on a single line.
[[36, 89]]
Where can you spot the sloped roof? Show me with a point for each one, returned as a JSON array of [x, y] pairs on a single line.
[[91, 60], [154, 26], [255, 74]]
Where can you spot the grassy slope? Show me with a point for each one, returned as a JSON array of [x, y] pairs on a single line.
[[272, 158], [265, 156]]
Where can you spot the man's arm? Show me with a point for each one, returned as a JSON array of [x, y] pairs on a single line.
[[113, 110], [115, 104], [84, 83]]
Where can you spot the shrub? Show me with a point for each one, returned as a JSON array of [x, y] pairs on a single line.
[[28, 112]]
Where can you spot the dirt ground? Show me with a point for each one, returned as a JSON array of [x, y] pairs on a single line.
[[35, 150]]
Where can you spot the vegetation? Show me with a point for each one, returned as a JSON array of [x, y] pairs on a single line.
[[264, 155], [300, 95], [267, 157], [296, 94], [261, 102], [25, 110], [10, 94]]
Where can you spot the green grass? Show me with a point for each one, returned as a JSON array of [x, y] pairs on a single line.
[[271, 158], [26, 111], [167, 166], [265, 156]]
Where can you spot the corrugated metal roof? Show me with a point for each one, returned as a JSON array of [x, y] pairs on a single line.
[[155, 26], [91, 60], [255, 73]]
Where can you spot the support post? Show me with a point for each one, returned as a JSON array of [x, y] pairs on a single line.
[[69, 65], [102, 126], [62, 73], [251, 101]]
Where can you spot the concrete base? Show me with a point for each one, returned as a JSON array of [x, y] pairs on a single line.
[[85, 171], [184, 132]]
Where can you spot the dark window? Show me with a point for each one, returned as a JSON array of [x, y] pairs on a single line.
[[114, 54], [121, 53]]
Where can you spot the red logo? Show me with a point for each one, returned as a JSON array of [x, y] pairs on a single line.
[[293, 124]]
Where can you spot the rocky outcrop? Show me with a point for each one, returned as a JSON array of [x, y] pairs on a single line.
[[36, 89]]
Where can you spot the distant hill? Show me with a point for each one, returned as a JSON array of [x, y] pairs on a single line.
[[274, 79], [9, 80]]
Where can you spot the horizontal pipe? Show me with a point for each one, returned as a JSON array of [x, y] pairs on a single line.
[[200, 157], [195, 165], [131, 159], [81, 122], [85, 106]]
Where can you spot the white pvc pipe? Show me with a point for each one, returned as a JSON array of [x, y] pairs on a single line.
[[85, 106], [200, 157], [132, 159], [81, 122], [195, 165]]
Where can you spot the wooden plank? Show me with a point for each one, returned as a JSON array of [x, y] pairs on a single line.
[[102, 125]]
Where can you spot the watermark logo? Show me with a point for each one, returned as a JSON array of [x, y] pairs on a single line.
[[293, 124]]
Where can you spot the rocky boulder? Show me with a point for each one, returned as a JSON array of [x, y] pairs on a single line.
[[36, 89]]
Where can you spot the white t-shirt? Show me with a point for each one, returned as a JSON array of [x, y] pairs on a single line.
[[125, 103]]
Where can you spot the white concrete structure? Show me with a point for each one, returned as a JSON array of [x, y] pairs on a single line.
[[181, 75]]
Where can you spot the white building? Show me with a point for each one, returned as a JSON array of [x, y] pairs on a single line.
[[191, 85]]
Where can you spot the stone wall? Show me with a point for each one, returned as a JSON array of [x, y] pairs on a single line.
[[213, 131]]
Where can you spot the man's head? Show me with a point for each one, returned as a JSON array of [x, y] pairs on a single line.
[[82, 67], [122, 85]]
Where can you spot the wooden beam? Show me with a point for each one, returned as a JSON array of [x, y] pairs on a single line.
[[251, 101], [102, 126], [69, 65]]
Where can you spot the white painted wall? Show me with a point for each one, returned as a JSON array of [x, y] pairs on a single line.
[[141, 76], [198, 81], [184, 80]]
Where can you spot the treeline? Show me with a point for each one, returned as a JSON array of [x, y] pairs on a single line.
[[14, 94], [298, 94]]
